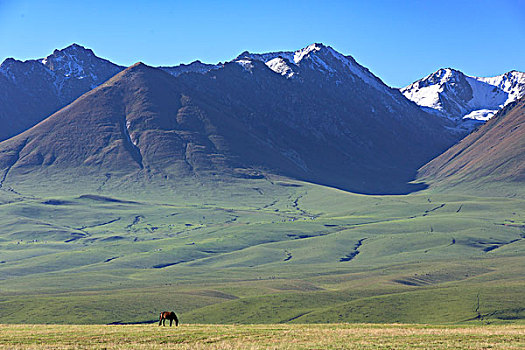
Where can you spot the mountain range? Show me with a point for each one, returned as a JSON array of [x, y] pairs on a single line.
[[313, 114], [328, 120]]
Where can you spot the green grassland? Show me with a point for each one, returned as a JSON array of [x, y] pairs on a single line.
[[259, 251], [274, 336]]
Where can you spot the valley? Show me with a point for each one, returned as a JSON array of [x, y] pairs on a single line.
[[261, 251]]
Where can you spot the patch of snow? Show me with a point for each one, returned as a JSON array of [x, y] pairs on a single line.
[[265, 57], [130, 135], [246, 64], [481, 114], [280, 66], [300, 54], [427, 96]]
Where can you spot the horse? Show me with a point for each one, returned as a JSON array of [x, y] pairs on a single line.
[[168, 315]]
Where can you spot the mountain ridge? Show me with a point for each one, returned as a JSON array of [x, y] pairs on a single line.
[[47, 84], [239, 120], [52, 82], [315, 96]]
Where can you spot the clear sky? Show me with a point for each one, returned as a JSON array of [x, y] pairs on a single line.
[[400, 41]]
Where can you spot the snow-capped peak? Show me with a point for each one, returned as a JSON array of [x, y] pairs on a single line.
[[426, 92], [455, 95], [439, 77], [317, 57], [73, 52], [69, 61]]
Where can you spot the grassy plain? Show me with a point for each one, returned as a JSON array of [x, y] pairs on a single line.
[[260, 251], [274, 336]]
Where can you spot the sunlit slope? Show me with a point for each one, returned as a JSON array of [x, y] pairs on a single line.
[[491, 160]]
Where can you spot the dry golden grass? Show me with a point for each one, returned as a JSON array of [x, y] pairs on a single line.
[[327, 336]]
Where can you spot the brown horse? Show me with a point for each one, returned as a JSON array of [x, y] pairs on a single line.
[[168, 315]]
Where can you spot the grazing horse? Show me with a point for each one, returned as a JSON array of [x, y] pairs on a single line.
[[168, 315]]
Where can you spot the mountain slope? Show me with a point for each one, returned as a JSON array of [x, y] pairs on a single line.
[[336, 125], [495, 153], [450, 93]]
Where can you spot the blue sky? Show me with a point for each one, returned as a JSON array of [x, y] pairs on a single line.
[[400, 41]]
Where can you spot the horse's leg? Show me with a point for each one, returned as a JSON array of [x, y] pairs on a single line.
[[160, 320], [176, 320], [171, 321]]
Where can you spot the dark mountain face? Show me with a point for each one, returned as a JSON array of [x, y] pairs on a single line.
[[34, 89], [330, 122], [493, 153], [25, 99]]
